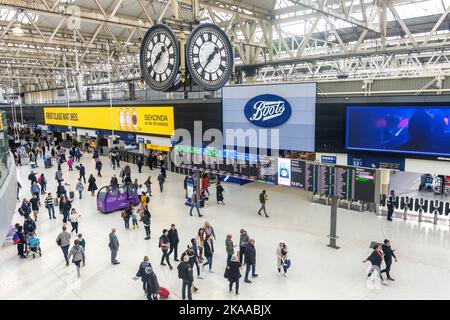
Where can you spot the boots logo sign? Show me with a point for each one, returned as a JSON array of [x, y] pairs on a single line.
[[268, 111]]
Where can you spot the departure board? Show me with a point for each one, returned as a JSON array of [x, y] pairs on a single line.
[[343, 178], [346, 182], [325, 177], [298, 175], [311, 174], [365, 184]]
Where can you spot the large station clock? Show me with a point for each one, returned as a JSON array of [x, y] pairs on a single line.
[[160, 58], [209, 56]]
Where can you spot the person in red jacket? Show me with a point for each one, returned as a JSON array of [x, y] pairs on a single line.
[[205, 183]]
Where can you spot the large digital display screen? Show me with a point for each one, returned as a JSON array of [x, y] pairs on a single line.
[[277, 116], [423, 130]]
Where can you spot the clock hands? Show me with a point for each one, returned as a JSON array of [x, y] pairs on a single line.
[[158, 57], [211, 56]]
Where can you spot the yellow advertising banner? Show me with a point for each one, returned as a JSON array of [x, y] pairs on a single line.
[[158, 148], [142, 119], [1, 121]]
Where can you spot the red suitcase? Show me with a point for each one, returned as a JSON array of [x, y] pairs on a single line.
[[163, 293]]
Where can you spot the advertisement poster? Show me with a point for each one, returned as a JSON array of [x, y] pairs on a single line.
[[284, 172], [149, 120]]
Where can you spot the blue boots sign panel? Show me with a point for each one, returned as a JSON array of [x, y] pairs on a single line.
[[267, 111], [270, 116]]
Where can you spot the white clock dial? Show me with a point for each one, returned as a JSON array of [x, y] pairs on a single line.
[[210, 57], [160, 58]]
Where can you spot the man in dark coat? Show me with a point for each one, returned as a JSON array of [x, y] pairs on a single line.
[[139, 164], [141, 272], [388, 254], [186, 274], [174, 240], [82, 172], [250, 260], [152, 284]]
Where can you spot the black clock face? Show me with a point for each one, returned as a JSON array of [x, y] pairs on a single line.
[[160, 58], [209, 57]]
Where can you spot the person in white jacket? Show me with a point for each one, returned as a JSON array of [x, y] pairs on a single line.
[[282, 257], [74, 220]]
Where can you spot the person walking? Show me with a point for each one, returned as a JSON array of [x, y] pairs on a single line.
[[148, 184], [375, 258], [391, 201], [201, 236], [63, 241], [194, 204], [185, 273], [114, 183], [74, 220], [243, 243], [35, 204], [65, 205], [193, 260], [161, 180], [233, 273], [29, 226], [21, 241], [25, 209], [146, 223], [126, 215], [388, 254], [82, 241], [209, 230], [174, 240], [98, 167], [60, 190], [208, 252], [77, 252], [282, 258], [134, 219], [82, 172], [150, 161], [250, 260], [152, 284], [43, 183], [35, 189], [219, 193], [113, 246], [70, 164], [164, 245], [80, 188], [144, 199], [59, 175], [263, 200], [92, 186], [50, 205], [229, 246], [205, 183], [139, 164], [141, 272]]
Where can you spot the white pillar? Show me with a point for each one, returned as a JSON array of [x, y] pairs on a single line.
[[110, 143], [141, 148], [385, 179]]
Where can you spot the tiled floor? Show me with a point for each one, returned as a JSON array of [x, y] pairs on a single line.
[[317, 272]]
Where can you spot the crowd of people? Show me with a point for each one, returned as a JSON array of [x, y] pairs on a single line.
[[199, 253]]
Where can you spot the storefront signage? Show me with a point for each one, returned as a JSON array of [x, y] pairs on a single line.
[[153, 120], [268, 111], [158, 148]]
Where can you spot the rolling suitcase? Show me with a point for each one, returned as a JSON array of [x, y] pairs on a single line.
[[163, 293], [71, 195]]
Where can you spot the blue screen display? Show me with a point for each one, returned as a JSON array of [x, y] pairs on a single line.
[[421, 130]]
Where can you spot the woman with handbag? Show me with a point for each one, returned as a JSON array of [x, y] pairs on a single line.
[[77, 252], [74, 220], [282, 258]]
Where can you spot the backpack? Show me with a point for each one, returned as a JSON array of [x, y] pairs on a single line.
[[123, 214], [16, 238]]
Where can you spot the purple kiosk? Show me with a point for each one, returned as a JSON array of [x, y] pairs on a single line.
[[110, 199]]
